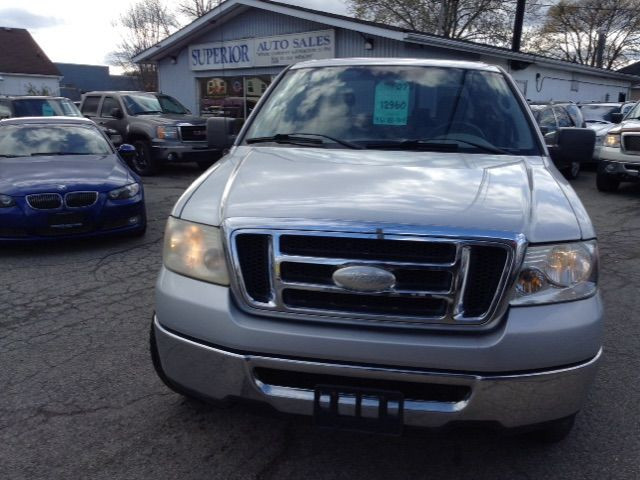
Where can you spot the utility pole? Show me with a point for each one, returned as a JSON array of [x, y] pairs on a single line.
[[602, 39], [441, 18], [517, 27]]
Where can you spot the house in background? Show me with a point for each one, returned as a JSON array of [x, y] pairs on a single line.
[[78, 79], [24, 68], [633, 69], [223, 61]]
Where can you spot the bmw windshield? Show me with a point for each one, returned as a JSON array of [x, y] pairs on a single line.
[[395, 107], [45, 140]]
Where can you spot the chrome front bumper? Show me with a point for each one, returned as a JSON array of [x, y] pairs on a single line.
[[512, 400]]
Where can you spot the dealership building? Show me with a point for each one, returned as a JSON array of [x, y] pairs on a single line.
[[224, 61]]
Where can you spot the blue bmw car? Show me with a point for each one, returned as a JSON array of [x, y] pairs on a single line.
[[60, 178]]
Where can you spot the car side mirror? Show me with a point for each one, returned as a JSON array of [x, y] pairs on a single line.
[[127, 152], [116, 113], [616, 117], [573, 145], [220, 132], [544, 130]]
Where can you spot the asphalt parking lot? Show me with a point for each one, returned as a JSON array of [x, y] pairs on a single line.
[[79, 398]]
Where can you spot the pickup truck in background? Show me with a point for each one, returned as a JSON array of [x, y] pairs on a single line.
[[157, 125], [387, 243], [620, 152]]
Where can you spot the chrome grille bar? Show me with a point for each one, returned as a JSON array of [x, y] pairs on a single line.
[[453, 297]]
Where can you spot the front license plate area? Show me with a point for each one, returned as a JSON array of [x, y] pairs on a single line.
[[66, 220], [358, 409]]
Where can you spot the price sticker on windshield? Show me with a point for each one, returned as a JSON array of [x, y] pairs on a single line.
[[391, 103]]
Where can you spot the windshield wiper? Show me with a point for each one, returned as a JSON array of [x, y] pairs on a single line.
[[149, 112], [301, 138], [9, 156], [44, 154], [485, 147], [413, 145], [433, 145]]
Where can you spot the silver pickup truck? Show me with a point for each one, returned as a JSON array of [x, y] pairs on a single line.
[[387, 243]]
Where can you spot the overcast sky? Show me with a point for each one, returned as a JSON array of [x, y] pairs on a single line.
[[81, 31]]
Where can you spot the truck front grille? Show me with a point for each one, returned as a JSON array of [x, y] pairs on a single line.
[[193, 133], [631, 143], [437, 281]]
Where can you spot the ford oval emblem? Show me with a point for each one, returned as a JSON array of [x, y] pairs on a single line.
[[364, 279]]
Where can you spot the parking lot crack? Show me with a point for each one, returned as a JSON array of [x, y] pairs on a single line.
[[270, 468]]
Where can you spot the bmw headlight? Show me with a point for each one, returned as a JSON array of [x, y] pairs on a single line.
[[6, 201], [612, 140], [167, 133], [195, 250], [125, 192], [557, 273]]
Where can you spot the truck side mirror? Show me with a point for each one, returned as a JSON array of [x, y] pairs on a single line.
[[573, 145], [220, 132], [616, 117], [116, 113]]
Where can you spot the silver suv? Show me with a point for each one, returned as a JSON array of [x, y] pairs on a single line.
[[387, 243]]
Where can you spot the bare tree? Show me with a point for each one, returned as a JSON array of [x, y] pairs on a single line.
[[475, 20], [193, 9], [571, 29], [144, 24]]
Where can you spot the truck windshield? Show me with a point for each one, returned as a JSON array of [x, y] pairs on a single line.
[[149, 103], [599, 113], [396, 107]]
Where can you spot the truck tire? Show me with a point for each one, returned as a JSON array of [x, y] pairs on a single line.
[[206, 163], [144, 163], [573, 171], [606, 183]]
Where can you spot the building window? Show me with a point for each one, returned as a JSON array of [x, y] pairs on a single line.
[[522, 85], [233, 97]]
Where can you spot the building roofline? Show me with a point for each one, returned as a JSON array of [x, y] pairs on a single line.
[[162, 48]]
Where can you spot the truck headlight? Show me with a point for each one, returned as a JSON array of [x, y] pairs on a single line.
[[557, 273], [6, 201], [195, 250], [612, 140], [122, 193], [167, 133]]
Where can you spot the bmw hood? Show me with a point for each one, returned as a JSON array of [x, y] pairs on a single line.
[[25, 175], [471, 192]]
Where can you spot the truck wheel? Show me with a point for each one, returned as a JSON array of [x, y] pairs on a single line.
[[144, 163], [606, 183], [204, 164], [573, 171], [555, 431]]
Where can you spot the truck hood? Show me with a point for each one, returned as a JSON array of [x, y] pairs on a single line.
[[626, 126], [174, 119], [473, 192], [25, 175]]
